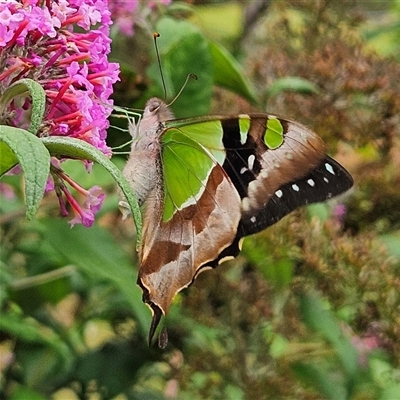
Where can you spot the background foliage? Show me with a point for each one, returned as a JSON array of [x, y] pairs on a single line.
[[310, 309]]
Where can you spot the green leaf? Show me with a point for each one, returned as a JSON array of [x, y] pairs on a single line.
[[8, 158], [277, 268], [391, 392], [320, 210], [383, 373], [321, 379], [37, 94], [222, 21], [23, 329], [98, 255], [30, 332], [292, 84], [126, 359], [24, 393], [70, 147], [35, 162], [392, 242], [234, 392], [322, 320], [39, 364], [229, 74], [184, 50], [34, 291], [278, 346], [280, 273]]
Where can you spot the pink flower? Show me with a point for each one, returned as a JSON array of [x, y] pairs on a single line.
[[40, 40], [7, 191], [92, 198], [365, 344], [339, 213], [126, 12], [122, 12]]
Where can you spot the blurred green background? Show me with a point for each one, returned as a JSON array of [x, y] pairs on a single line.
[[311, 307]]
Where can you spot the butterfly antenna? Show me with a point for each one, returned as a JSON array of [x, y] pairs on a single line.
[[155, 36], [190, 76]]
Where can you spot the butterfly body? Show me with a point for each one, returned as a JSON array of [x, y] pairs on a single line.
[[143, 167], [207, 182]]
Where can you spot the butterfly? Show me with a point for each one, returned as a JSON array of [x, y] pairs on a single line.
[[205, 183]]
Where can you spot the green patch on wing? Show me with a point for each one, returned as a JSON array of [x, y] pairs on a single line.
[[244, 127], [273, 137], [189, 153]]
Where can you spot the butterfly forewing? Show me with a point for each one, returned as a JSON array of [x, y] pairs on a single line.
[[272, 182], [327, 180]]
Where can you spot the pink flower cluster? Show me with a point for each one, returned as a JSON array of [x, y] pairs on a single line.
[[38, 40], [126, 12], [93, 198], [63, 45]]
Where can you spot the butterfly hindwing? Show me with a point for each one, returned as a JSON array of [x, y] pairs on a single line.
[[187, 162], [194, 225]]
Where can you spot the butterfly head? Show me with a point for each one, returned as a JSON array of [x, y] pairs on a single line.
[[157, 109]]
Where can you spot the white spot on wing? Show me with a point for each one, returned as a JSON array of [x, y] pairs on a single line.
[[295, 187], [243, 170], [253, 219], [289, 156], [279, 193], [326, 179], [303, 137], [253, 186], [250, 161], [246, 204], [329, 168], [311, 182]]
